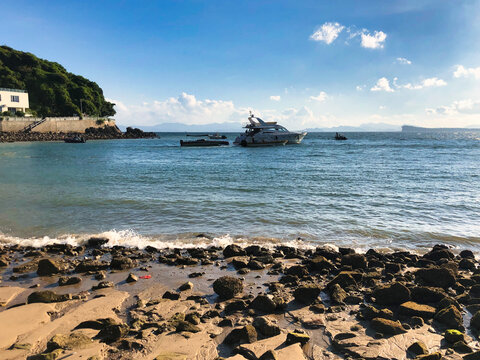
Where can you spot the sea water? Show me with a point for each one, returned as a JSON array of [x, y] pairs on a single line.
[[381, 190]]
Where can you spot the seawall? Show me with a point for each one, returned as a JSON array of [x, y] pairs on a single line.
[[54, 124]]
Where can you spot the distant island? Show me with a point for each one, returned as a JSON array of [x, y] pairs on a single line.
[[53, 91], [409, 128]]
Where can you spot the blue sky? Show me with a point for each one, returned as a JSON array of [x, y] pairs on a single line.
[[305, 63]]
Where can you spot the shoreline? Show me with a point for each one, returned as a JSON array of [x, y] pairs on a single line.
[[318, 303], [107, 133]]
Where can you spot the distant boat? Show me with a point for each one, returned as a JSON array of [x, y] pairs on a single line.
[[75, 140], [216, 136], [203, 142], [340, 137]]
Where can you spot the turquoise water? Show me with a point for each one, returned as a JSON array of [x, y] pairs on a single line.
[[395, 190]]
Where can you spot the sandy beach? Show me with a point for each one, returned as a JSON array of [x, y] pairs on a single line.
[[92, 302]]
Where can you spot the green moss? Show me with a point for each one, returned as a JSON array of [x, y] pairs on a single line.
[[52, 90]]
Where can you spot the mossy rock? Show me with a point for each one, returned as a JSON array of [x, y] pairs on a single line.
[[70, 342], [296, 337], [453, 335]]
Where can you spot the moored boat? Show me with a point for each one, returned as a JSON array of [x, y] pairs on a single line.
[[267, 133], [340, 137], [203, 142]]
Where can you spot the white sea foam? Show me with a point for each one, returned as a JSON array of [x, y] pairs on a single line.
[[130, 238]]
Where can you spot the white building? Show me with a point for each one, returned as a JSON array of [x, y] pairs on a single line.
[[13, 100]]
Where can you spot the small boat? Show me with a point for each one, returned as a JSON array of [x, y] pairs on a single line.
[[340, 137], [216, 136], [203, 142], [75, 140]]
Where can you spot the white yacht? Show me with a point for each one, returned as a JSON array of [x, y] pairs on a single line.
[[262, 133]]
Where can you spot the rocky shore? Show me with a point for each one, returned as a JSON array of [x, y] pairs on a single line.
[[108, 132], [284, 303]]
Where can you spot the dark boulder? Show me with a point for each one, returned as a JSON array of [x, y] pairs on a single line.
[[337, 294], [47, 296], [265, 327], [411, 308], [91, 265], [425, 294], [96, 242], [436, 276], [391, 294], [297, 270], [264, 303], [121, 263], [387, 327], [356, 261], [451, 317], [233, 250], [48, 267], [238, 336], [113, 332], [227, 287], [467, 254], [307, 294], [103, 285]]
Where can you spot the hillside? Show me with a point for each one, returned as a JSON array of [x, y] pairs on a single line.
[[53, 91]]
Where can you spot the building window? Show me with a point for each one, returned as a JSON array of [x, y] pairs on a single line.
[[15, 98]]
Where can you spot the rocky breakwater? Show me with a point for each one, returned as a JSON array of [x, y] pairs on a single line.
[[238, 303], [107, 132]]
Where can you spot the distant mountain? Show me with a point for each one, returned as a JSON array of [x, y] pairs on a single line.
[[178, 127], [409, 128], [360, 128]]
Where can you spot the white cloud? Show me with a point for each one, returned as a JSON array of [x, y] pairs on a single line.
[[461, 71], [328, 32], [185, 108], [403, 61], [275, 97], [320, 97], [360, 87], [382, 85], [467, 106], [431, 82], [375, 41], [382, 107]]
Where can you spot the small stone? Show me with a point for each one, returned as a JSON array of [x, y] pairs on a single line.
[[296, 337], [64, 280], [265, 327], [48, 267], [418, 348], [186, 286], [103, 285], [131, 278], [171, 295], [187, 326], [47, 296]]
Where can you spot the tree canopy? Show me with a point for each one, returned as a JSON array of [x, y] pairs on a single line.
[[52, 90]]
